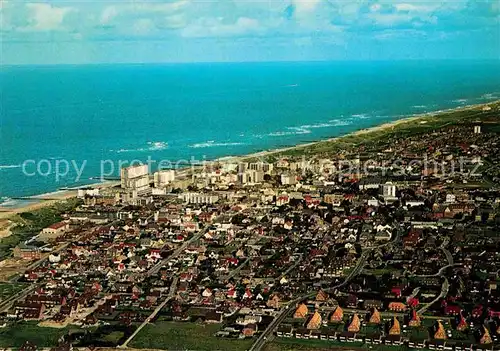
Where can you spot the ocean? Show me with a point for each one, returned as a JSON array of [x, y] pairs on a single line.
[[96, 113]]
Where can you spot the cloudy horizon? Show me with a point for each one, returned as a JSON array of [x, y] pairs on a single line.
[[76, 32]]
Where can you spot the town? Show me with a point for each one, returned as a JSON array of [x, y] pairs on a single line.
[[385, 239]]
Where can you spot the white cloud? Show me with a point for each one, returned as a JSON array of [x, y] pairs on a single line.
[[166, 8], [108, 14], [420, 7], [213, 27], [143, 26], [395, 34], [143, 17], [173, 22], [305, 5], [45, 17], [239, 18], [390, 19]]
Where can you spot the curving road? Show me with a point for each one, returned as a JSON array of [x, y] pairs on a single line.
[[261, 340], [259, 343]]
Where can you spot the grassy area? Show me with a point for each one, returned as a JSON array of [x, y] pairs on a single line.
[[31, 223], [186, 336], [381, 271], [113, 337], [285, 344], [418, 333], [17, 334], [421, 125], [7, 290]]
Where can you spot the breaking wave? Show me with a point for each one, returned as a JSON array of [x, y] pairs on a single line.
[[306, 128], [212, 143], [152, 146], [9, 166], [361, 116], [489, 96]]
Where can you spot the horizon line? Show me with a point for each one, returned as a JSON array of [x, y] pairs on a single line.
[[2, 65]]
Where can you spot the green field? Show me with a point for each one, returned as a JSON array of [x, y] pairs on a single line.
[[376, 137], [186, 336], [30, 223], [113, 337], [17, 334], [284, 344], [7, 290]]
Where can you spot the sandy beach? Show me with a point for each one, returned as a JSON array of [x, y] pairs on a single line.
[[6, 212], [380, 127], [5, 227]]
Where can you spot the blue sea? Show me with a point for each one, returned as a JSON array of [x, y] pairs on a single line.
[[207, 111]]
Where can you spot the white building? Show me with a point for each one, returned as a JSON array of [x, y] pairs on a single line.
[[415, 203], [197, 198], [451, 198], [389, 190], [260, 166], [163, 178], [287, 179], [477, 129], [159, 191], [251, 177], [135, 178], [53, 231], [90, 192], [229, 167]]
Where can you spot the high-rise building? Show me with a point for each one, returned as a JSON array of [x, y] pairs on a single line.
[[251, 177], [163, 178], [135, 178], [389, 190]]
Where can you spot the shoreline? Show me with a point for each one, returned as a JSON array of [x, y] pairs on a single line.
[[61, 195], [386, 125], [56, 196]]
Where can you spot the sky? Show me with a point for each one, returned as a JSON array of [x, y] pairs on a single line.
[[140, 31]]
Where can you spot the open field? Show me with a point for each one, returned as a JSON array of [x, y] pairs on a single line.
[[64, 195], [31, 223], [8, 289], [284, 344], [186, 336], [5, 227], [16, 334]]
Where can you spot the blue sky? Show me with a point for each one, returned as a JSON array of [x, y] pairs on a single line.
[[105, 31]]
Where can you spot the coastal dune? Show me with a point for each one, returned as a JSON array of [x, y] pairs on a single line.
[[379, 128], [6, 213]]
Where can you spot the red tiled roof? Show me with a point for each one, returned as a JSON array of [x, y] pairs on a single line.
[[57, 225]]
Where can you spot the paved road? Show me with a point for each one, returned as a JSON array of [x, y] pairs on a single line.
[[171, 294], [446, 285], [259, 343], [439, 273], [236, 270], [444, 291], [8, 303], [177, 252], [448, 255], [297, 262], [5, 305]]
